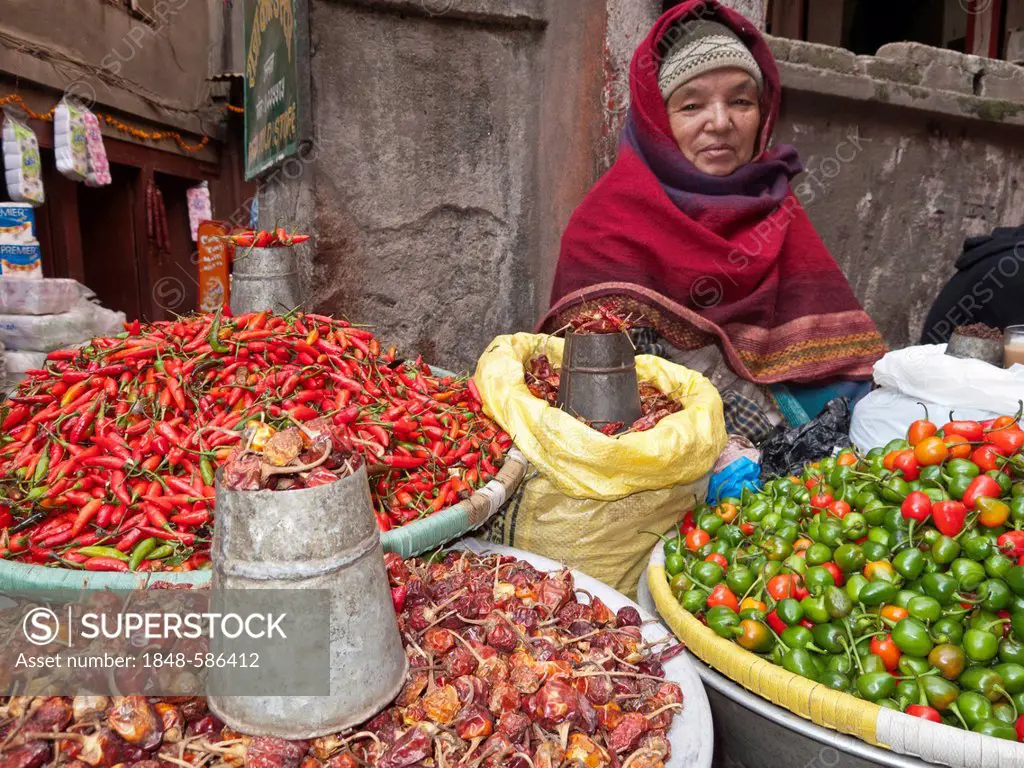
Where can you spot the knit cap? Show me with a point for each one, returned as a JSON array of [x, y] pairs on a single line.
[[702, 47]]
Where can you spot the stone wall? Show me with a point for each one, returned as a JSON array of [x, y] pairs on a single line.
[[907, 153]]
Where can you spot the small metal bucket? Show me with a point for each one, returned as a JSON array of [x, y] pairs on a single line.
[[264, 279], [598, 378], [323, 538]]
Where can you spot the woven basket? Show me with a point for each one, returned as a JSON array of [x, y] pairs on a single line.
[[822, 705]]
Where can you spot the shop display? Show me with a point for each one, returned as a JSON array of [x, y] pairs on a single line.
[[508, 667], [896, 577], [23, 170], [117, 442], [69, 141], [99, 167], [200, 208]]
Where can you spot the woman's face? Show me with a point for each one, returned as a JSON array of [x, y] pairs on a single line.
[[715, 120]]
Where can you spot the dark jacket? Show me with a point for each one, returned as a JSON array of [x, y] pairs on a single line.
[[988, 286]]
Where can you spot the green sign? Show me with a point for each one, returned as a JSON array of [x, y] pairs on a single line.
[[271, 83]]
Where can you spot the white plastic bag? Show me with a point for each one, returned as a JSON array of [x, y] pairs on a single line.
[[45, 333], [925, 374], [45, 296]]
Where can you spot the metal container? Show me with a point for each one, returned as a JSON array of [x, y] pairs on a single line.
[[746, 723], [598, 378], [264, 278], [986, 350], [323, 538]]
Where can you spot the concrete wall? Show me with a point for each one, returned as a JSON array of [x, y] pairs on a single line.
[[154, 69], [908, 153], [453, 138]]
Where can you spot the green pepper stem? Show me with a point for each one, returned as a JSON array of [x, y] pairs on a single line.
[[1006, 694], [956, 711]]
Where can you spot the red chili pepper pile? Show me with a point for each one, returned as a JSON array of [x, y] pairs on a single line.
[[601, 319], [277, 238], [507, 669], [543, 381], [115, 445]]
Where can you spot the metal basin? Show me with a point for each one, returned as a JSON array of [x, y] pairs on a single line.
[[751, 732]]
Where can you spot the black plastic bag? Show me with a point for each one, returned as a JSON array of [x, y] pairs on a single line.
[[785, 451]]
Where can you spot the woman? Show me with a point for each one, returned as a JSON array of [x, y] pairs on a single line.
[[695, 229]]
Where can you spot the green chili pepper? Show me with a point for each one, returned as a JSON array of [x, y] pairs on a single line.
[[985, 681], [829, 637], [694, 601], [911, 637], [797, 637], [925, 608], [800, 662], [854, 585], [876, 685], [996, 728], [994, 595], [973, 708], [837, 603], [940, 586], [724, 621], [1011, 650], [213, 338], [95, 551], [1014, 578], [207, 473], [909, 563], [939, 691], [161, 552], [957, 486], [818, 554], [878, 592], [996, 565], [141, 551], [945, 550], [968, 573], [814, 609]]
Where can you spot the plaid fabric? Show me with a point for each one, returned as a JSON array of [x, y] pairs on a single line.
[[646, 341], [744, 417]]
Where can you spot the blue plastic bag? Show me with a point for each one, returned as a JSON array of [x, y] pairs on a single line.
[[730, 481]]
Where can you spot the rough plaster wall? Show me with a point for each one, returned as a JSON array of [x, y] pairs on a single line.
[[167, 60], [423, 186], [894, 194]]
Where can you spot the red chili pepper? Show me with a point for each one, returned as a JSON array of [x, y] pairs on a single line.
[[1008, 440], [987, 457], [775, 622], [722, 595], [398, 595], [949, 517], [982, 485], [916, 506], [105, 564], [1011, 543], [924, 712]]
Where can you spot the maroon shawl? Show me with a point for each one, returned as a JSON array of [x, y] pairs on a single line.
[[728, 259]]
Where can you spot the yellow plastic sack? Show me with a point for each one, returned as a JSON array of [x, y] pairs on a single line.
[[602, 539], [582, 463]]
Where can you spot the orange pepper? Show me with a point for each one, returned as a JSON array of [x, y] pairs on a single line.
[[750, 603], [878, 569], [893, 612], [727, 512]]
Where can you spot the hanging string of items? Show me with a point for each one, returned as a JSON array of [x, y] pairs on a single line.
[[119, 125]]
